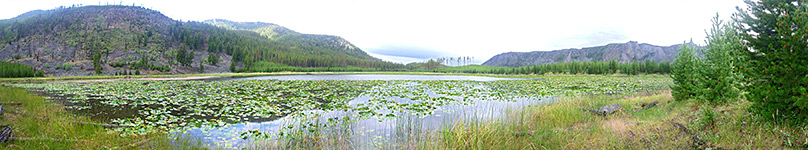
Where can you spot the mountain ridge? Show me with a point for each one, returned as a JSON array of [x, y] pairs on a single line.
[[620, 52]]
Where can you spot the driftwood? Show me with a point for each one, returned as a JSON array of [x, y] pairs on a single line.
[[698, 141], [76, 122], [5, 133], [648, 106], [605, 110]]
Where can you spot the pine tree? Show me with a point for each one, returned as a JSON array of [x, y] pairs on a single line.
[[201, 67], [684, 74], [777, 33], [232, 66], [719, 81]]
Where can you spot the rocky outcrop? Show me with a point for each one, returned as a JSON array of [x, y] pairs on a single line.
[[620, 52]]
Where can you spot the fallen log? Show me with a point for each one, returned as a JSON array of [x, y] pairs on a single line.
[[698, 141], [605, 110], [5, 133], [648, 106]]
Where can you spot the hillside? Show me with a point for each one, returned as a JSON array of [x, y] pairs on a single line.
[[282, 34], [109, 40], [620, 52]]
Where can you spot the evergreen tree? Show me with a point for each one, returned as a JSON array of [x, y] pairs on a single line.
[[719, 81], [213, 59], [201, 67], [97, 63], [684, 74], [232, 66], [776, 31]]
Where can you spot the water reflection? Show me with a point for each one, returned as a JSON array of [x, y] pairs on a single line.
[[373, 132]]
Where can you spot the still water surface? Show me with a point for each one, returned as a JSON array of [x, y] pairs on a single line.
[[372, 132]]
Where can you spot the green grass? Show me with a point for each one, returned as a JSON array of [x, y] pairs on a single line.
[[563, 125], [88, 136], [94, 137]]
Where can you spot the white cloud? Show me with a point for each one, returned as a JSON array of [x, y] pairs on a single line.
[[469, 28]]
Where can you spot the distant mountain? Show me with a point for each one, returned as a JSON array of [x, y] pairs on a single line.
[[111, 40], [282, 34], [620, 52]]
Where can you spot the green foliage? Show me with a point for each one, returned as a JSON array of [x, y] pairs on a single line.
[[707, 118], [213, 59], [232, 67], [777, 33], [649, 67], [67, 66], [201, 67], [685, 74], [15, 70], [718, 78], [97, 63], [264, 66]]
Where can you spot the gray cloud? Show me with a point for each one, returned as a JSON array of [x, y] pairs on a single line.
[[408, 51]]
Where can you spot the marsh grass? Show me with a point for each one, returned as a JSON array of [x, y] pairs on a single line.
[[90, 136], [563, 125]]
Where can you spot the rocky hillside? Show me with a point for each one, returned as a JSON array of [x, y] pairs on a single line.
[[282, 34], [109, 40], [620, 52]]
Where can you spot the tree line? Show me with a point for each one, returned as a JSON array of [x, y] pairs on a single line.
[[594, 67], [16, 70]]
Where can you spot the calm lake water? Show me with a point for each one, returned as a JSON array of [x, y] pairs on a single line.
[[371, 133], [374, 77]]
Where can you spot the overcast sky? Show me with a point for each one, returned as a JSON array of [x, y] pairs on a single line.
[[413, 30]]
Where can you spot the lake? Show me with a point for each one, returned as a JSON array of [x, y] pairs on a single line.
[[353, 111], [372, 132]]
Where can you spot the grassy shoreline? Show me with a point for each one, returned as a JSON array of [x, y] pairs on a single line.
[[55, 132], [668, 125]]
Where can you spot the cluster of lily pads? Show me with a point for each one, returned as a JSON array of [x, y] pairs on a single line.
[[174, 105]]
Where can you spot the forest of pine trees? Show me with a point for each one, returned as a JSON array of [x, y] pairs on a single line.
[[15, 70], [611, 67]]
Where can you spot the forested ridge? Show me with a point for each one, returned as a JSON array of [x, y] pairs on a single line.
[[112, 40]]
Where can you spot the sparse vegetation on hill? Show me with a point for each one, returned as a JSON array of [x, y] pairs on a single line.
[[103, 40]]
